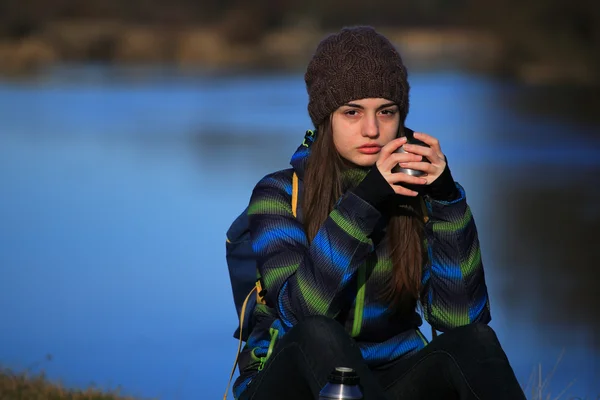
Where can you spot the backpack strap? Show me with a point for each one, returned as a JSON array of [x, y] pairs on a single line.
[[260, 292]]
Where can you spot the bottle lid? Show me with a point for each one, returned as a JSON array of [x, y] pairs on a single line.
[[344, 376]]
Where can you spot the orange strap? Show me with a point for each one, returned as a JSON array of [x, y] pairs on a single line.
[[295, 194], [242, 313]]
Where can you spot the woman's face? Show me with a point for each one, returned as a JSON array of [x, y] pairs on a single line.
[[362, 127]]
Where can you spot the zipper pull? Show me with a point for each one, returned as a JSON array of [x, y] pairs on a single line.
[[263, 360]]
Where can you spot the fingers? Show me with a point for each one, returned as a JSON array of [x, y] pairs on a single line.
[[395, 158], [429, 140], [391, 147], [401, 178], [414, 158], [426, 167], [428, 152], [404, 191]]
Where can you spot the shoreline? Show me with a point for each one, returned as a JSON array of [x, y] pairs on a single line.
[[287, 49]]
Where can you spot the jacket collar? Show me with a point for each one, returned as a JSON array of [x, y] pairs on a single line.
[[300, 157]]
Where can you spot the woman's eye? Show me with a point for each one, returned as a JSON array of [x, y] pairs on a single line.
[[388, 112], [351, 112]]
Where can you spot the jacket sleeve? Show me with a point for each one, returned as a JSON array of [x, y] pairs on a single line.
[[303, 279], [454, 292]]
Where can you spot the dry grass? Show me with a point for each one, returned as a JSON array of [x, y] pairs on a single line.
[[537, 386], [35, 386]]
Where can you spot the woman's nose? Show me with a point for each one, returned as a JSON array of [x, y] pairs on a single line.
[[371, 126]]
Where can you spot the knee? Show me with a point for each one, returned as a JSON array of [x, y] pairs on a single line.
[[473, 335], [478, 333], [315, 330], [317, 326]]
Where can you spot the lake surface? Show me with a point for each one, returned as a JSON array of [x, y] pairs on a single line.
[[116, 190]]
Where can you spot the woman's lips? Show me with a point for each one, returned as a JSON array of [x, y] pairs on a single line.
[[369, 149]]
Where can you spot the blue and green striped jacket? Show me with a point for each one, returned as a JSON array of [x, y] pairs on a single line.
[[343, 269]]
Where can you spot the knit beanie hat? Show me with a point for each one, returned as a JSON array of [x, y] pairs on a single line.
[[355, 63]]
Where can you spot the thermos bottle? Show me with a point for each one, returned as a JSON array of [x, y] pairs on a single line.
[[342, 385]]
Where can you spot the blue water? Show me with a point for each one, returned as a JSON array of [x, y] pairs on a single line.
[[116, 192]]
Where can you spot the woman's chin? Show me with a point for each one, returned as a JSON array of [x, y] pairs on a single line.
[[364, 160]]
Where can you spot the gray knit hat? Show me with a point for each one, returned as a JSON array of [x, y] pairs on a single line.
[[355, 63]]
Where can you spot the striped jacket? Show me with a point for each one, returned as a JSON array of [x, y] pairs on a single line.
[[341, 272]]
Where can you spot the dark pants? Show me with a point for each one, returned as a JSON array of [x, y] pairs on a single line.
[[465, 363]]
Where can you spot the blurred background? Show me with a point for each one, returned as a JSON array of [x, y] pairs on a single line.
[[132, 134]]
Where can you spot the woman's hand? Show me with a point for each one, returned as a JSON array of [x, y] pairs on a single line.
[[388, 159], [437, 161]]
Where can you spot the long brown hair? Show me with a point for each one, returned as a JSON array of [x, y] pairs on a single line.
[[405, 231]]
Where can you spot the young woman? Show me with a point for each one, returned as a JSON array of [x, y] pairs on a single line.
[[370, 251]]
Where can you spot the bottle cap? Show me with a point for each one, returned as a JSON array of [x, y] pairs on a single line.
[[344, 376]]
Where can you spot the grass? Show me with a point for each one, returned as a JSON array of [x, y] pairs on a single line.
[[35, 386], [538, 386]]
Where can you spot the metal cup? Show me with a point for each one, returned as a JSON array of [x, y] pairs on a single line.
[[408, 171]]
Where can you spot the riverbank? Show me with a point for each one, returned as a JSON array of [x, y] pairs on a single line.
[[206, 48], [213, 49]]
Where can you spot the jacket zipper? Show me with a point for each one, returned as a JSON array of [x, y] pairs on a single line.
[[360, 301]]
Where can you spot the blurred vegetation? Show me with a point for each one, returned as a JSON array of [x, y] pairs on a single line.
[[20, 386], [539, 40], [18, 17], [551, 38], [27, 385]]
